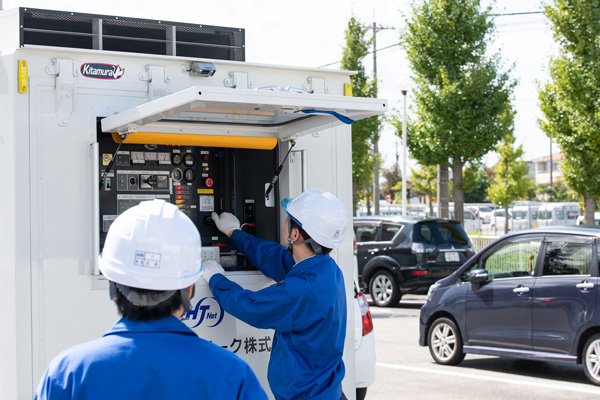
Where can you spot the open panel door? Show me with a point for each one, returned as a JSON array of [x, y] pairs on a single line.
[[241, 113]]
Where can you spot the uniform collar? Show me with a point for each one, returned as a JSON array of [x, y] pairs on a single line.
[[169, 324], [308, 263]]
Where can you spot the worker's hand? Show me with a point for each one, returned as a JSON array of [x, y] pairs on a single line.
[[211, 267], [226, 222]]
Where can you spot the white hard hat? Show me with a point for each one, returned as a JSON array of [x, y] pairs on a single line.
[[152, 246], [320, 214]]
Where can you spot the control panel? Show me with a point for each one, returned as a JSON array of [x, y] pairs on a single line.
[[199, 180]]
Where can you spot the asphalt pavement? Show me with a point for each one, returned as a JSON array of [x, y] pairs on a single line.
[[406, 370]]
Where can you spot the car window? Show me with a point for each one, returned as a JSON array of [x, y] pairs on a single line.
[[389, 231], [560, 214], [563, 258], [366, 232], [572, 214], [437, 233], [516, 257], [534, 215], [520, 215]]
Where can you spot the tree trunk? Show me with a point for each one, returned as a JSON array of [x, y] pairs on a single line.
[[443, 191], [354, 199], [430, 197], [458, 192], [589, 207]]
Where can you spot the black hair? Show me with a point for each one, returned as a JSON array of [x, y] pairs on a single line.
[[306, 236], [164, 309]]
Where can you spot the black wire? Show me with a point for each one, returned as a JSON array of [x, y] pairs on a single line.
[[109, 166], [276, 177]]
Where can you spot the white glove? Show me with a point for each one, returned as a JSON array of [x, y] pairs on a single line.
[[226, 222], [211, 267]]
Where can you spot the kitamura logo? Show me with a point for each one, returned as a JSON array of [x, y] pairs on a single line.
[[102, 71], [207, 310]]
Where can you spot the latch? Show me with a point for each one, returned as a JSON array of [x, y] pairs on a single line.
[[237, 80], [64, 90], [158, 79], [315, 86]]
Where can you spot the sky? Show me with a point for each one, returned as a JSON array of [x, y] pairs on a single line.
[[310, 33]]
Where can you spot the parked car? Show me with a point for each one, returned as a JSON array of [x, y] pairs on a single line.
[[485, 214], [580, 219], [364, 339], [558, 214], [498, 219], [524, 217], [400, 255], [530, 294]]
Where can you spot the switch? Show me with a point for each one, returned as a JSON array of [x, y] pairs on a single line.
[[208, 182]]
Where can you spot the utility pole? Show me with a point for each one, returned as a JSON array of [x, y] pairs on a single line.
[[375, 134]]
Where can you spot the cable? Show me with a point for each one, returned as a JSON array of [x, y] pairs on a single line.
[[276, 177]]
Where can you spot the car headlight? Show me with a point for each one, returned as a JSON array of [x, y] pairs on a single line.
[[432, 290]]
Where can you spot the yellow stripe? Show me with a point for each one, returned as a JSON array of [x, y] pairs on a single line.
[[181, 139], [23, 76]]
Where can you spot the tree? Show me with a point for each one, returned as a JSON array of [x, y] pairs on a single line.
[[475, 182], [510, 183], [393, 179], [424, 181], [462, 98], [569, 101], [363, 131], [557, 192]]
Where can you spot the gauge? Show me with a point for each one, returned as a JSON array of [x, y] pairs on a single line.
[[148, 156], [176, 159], [188, 159], [190, 175], [137, 157], [164, 158], [176, 175]]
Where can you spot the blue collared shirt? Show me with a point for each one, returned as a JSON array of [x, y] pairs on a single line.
[[161, 359], [307, 310]]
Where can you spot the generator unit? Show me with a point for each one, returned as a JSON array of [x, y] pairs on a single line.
[[101, 112]]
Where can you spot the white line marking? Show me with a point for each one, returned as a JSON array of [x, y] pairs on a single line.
[[490, 378]]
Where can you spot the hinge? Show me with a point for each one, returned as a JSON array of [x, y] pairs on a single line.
[[238, 80], [315, 86], [157, 81], [64, 90]]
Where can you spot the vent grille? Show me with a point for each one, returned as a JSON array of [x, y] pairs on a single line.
[[101, 32]]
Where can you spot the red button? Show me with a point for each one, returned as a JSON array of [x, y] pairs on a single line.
[[208, 182], [205, 157]]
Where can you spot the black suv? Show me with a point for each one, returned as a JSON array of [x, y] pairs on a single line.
[[400, 255]]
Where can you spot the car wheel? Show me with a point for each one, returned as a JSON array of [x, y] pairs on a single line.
[[361, 393], [591, 359], [445, 342], [384, 289]]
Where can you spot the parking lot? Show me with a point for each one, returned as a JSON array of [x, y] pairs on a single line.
[[406, 371]]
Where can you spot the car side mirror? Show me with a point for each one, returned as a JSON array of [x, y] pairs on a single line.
[[478, 277]]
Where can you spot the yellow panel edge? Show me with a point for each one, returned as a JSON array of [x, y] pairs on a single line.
[[181, 139], [348, 89], [23, 76]]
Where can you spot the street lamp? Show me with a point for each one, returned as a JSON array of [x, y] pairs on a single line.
[[404, 90]]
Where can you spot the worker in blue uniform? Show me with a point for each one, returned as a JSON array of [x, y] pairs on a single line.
[[152, 260], [306, 306]]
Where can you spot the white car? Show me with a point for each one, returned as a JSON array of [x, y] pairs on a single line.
[[364, 339], [596, 219]]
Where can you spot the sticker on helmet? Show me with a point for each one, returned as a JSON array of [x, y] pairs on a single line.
[[148, 260]]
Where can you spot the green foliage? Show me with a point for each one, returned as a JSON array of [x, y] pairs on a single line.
[[570, 102], [558, 192], [475, 182], [424, 180], [510, 183], [393, 181], [363, 131], [462, 99]]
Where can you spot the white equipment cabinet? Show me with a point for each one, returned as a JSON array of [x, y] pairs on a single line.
[[58, 102]]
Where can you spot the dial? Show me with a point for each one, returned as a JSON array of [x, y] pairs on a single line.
[[188, 159], [190, 175], [176, 175], [177, 159]]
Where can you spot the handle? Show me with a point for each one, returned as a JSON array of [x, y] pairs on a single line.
[[96, 202], [521, 289], [585, 285]]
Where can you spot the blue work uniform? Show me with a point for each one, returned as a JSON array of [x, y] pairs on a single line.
[[307, 310], [160, 359]]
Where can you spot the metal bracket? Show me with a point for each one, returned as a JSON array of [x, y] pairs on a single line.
[[238, 80], [157, 77], [315, 86], [64, 91]]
